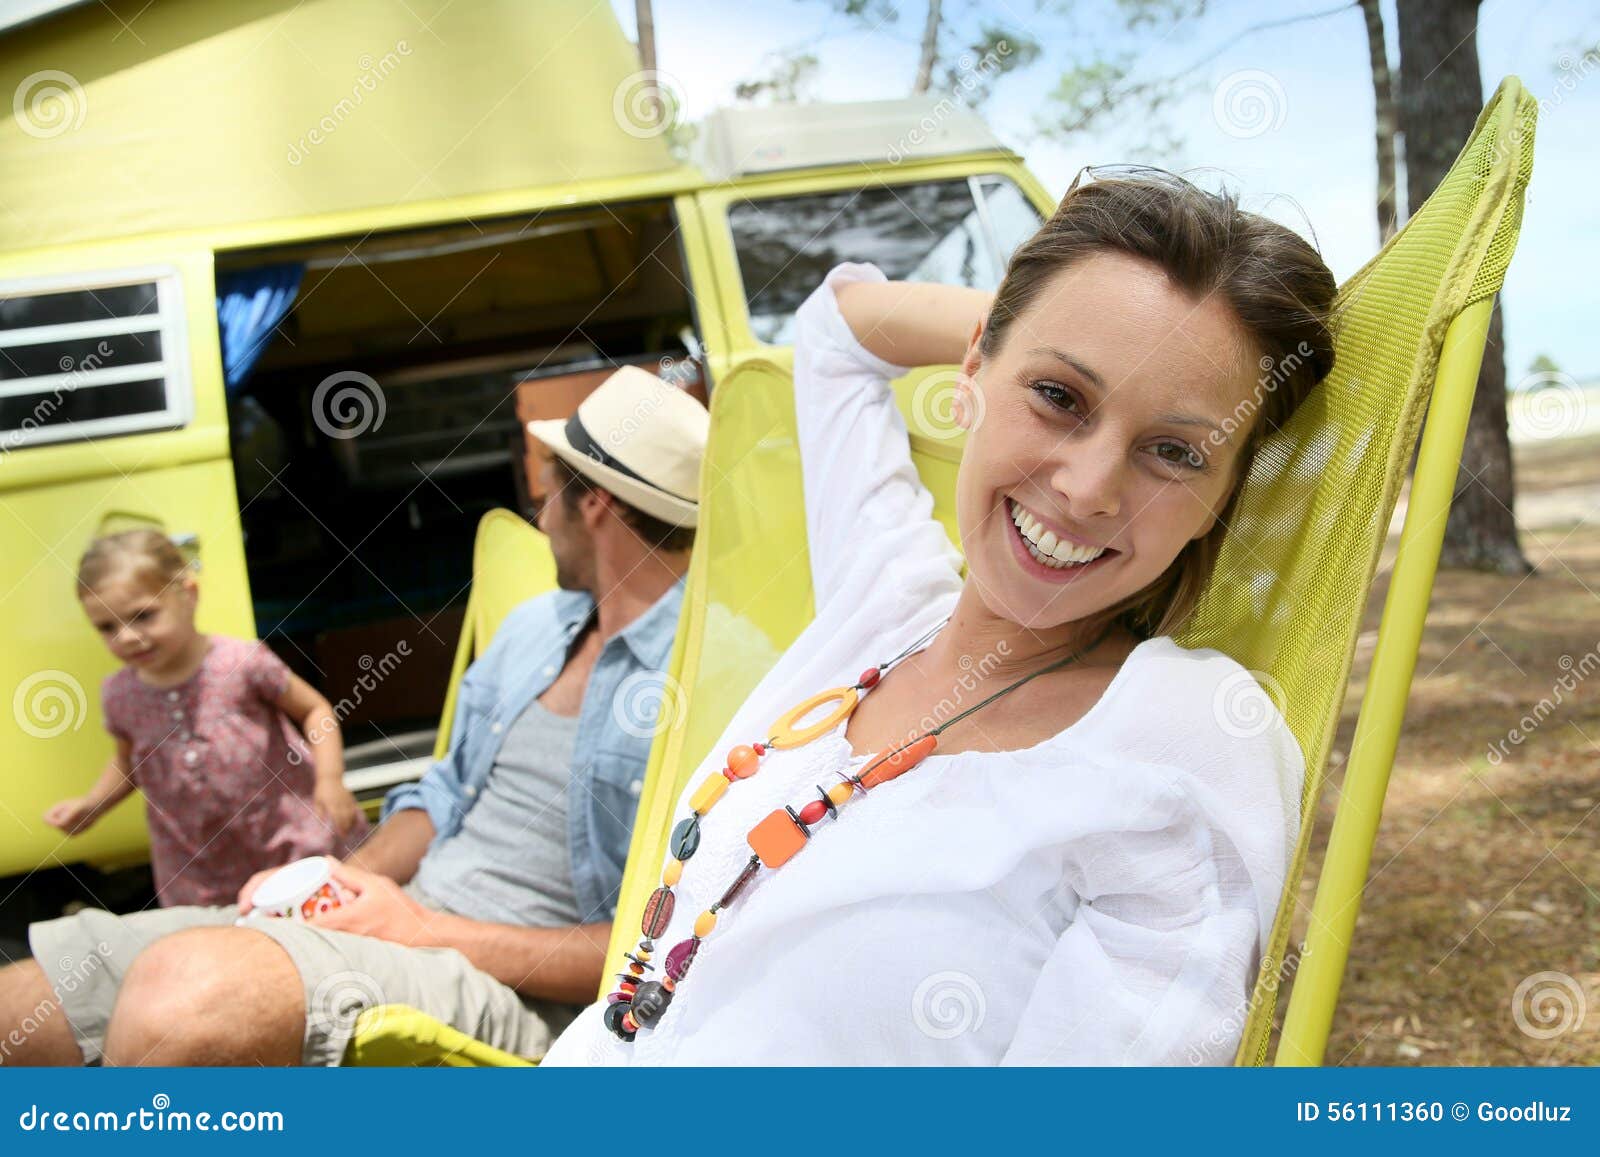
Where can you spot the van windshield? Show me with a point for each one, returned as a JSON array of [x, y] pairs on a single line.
[[961, 232]]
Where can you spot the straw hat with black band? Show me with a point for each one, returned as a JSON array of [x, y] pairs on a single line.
[[640, 438]]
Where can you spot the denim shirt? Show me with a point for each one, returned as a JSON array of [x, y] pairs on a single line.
[[615, 727]]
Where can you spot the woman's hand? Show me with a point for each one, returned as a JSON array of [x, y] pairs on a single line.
[[72, 815], [335, 804]]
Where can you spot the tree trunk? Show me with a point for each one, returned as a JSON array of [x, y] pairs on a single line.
[[1440, 95], [645, 19], [1383, 93], [930, 48]]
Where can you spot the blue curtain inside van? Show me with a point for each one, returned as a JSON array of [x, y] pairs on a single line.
[[250, 304]]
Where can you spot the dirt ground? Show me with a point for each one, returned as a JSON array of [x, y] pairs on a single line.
[[1479, 940]]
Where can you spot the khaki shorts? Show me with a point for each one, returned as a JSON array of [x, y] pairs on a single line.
[[86, 956]]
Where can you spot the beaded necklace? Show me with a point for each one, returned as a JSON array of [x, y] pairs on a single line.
[[639, 1003]]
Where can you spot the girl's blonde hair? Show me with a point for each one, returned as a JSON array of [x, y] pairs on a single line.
[[148, 554]]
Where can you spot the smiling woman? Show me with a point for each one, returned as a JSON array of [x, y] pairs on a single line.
[[1069, 854]]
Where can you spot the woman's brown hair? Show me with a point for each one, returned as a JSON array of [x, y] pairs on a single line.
[[1273, 280]]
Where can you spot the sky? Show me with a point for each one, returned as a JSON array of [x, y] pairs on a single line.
[[1307, 162]]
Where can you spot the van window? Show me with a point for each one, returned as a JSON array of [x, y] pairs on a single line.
[[960, 232], [387, 414], [99, 355]]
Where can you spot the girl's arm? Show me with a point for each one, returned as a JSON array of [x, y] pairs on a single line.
[[913, 323], [114, 785], [314, 715]]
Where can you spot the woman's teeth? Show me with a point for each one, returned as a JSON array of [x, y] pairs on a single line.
[[1043, 545]]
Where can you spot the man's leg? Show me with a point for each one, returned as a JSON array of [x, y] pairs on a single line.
[[82, 960], [209, 996], [33, 1027]]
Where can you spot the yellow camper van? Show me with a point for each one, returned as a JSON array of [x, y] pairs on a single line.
[[284, 279]]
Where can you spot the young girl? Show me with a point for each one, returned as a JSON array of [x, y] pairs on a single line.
[[205, 727]]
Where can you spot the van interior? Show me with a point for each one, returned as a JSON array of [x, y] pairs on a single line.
[[385, 416]]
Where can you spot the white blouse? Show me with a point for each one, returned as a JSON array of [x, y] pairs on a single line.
[[1099, 898]]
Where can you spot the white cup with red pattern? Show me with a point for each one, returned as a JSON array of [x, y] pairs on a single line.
[[299, 891]]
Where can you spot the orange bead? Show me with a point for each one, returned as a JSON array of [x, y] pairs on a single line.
[[776, 839], [743, 761], [896, 761], [704, 923], [672, 873], [839, 794]]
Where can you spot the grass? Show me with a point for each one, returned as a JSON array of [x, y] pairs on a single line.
[[1480, 930]]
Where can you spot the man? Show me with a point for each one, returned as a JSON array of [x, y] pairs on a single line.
[[485, 897]]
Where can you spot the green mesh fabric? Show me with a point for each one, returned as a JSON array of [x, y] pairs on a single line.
[[1292, 579]]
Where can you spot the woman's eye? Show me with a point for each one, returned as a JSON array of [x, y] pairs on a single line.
[[1058, 396], [1180, 455]]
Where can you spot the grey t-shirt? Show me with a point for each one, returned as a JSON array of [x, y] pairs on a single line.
[[508, 863]]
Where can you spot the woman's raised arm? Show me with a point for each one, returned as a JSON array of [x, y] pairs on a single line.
[[913, 323], [866, 508]]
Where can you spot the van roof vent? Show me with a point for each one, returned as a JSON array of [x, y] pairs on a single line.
[[741, 141]]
